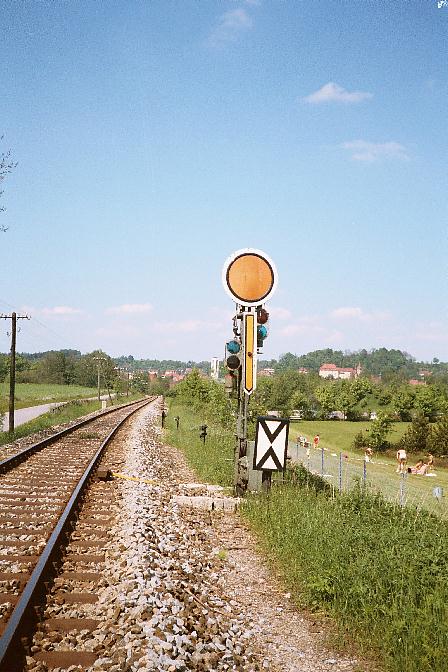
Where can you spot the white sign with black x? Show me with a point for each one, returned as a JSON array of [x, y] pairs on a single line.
[[271, 444]]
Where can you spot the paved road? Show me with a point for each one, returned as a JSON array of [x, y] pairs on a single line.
[[23, 415]]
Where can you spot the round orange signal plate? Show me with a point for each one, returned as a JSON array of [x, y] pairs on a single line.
[[250, 277]]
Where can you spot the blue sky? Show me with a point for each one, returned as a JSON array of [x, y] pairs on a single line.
[[154, 138]]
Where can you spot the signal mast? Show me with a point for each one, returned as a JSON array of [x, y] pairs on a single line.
[[250, 278]]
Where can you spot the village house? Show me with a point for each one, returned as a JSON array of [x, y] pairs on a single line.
[[339, 373], [266, 372]]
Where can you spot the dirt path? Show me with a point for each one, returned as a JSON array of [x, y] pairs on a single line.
[[286, 640]]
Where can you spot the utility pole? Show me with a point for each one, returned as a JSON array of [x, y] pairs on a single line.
[[12, 364], [98, 364]]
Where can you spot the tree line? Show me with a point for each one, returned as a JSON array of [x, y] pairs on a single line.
[[290, 390], [389, 364]]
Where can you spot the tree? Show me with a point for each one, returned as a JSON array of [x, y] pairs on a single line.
[[86, 369], [326, 398], [427, 401], [438, 439], [360, 388], [415, 439], [345, 400], [403, 402], [4, 367], [378, 432], [56, 368], [7, 165]]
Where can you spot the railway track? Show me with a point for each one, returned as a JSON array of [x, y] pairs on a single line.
[[54, 520]]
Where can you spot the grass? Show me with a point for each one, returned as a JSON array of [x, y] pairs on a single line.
[[34, 394], [338, 435], [212, 460], [378, 570], [60, 415]]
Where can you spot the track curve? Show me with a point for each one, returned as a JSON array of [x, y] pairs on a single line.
[[41, 489]]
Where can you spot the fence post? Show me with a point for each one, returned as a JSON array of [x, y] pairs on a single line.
[[364, 474], [340, 471], [322, 468], [402, 489]]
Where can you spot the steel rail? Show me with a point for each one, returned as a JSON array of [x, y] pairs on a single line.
[[10, 462], [26, 612]]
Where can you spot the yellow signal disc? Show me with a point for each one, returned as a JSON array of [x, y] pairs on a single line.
[[250, 277]]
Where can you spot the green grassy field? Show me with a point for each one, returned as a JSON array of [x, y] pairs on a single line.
[[378, 569], [212, 461], [338, 435], [33, 394], [71, 411]]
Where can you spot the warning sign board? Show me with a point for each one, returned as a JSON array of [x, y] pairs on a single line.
[[271, 443]]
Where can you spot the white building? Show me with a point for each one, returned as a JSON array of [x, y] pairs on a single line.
[[339, 373], [214, 367]]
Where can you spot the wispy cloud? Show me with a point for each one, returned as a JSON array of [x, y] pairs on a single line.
[[129, 309], [333, 93], [230, 26], [362, 150], [59, 310], [280, 313], [185, 326], [354, 312], [307, 324]]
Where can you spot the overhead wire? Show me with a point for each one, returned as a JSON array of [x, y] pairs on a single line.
[[34, 319]]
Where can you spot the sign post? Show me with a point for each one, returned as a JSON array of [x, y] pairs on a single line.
[[249, 278], [271, 446]]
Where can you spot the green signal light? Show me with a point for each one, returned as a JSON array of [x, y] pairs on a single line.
[[262, 331], [233, 347]]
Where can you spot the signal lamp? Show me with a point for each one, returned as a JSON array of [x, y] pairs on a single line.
[[262, 316], [262, 332], [233, 362], [233, 347]]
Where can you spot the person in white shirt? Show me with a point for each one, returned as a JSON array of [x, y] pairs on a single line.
[[401, 460]]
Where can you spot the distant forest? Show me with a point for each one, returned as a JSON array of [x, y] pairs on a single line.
[[377, 362]]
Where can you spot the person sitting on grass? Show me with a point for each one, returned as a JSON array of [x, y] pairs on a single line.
[[368, 452], [420, 468]]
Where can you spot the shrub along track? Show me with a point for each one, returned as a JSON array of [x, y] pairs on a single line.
[[41, 491]]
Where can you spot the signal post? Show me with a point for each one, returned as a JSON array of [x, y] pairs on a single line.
[[250, 278]]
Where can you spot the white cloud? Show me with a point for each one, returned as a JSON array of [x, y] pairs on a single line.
[[59, 310], [280, 313], [333, 93], [129, 309], [362, 150], [346, 312], [352, 312], [307, 324], [185, 326], [231, 24]]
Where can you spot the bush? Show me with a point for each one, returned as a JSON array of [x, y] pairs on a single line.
[[415, 439]]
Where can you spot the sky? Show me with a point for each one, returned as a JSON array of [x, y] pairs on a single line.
[[154, 138]]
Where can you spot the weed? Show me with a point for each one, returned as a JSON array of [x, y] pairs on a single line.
[[379, 570]]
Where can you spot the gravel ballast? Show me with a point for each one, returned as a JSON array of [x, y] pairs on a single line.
[[183, 587]]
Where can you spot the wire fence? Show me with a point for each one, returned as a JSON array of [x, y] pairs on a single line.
[[344, 471]]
